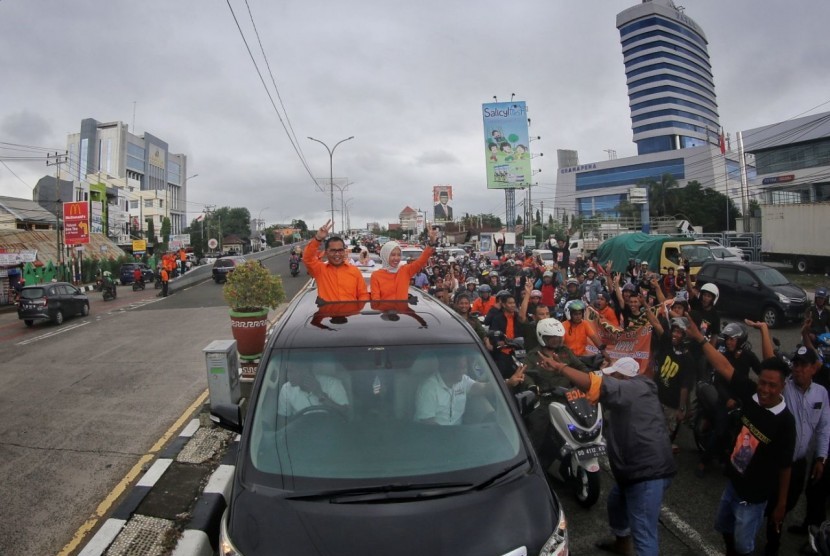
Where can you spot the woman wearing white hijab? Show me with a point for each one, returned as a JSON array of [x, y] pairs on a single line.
[[391, 281]]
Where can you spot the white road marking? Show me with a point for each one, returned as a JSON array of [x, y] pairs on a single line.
[[61, 330], [689, 532]]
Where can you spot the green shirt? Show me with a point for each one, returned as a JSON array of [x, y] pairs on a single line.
[[547, 380]]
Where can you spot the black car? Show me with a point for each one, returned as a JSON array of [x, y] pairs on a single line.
[[125, 274], [53, 301], [224, 266], [339, 453], [754, 291]]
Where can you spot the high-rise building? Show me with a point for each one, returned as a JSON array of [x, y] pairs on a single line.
[[674, 117], [671, 89], [135, 177]]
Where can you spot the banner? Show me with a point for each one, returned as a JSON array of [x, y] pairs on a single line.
[[441, 199], [139, 245], [76, 222], [506, 145], [12, 258], [634, 341]]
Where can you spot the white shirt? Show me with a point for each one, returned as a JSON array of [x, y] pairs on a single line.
[[293, 399], [445, 404]]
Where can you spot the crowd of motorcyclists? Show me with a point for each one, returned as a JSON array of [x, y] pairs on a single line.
[[510, 296]]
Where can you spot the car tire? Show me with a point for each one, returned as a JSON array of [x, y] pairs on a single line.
[[29, 322], [85, 310], [772, 316], [58, 320], [801, 265]]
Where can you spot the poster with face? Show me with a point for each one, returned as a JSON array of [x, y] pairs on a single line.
[[506, 145], [442, 203]]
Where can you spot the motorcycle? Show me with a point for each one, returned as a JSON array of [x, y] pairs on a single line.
[[294, 266], [138, 285], [108, 290]]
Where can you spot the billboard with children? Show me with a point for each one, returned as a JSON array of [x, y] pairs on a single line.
[[506, 145]]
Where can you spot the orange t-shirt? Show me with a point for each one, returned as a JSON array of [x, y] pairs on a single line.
[[483, 307], [610, 316], [334, 283], [395, 285], [510, 332], [576, 337]]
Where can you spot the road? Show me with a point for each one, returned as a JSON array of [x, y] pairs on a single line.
[[84, 402]]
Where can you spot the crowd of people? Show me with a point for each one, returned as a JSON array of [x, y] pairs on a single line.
[[767, 419]]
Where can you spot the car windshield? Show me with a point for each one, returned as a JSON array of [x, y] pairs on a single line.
[[546, 255], [358, 413], [224, 263], [695, 254], [32, 293], [771, 277]]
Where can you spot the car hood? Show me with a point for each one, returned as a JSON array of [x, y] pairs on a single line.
[[790, 290], [491, 521]]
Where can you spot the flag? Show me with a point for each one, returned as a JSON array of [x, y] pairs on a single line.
[[722, 143], [200, 218]]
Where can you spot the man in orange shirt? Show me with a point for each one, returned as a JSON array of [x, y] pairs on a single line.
[[485, 301], [336, 280], [392, 280], [578, 332]]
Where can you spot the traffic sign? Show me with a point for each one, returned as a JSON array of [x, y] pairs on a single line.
[[212, 243]]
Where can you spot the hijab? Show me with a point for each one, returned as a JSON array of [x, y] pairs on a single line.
[[385, 251]]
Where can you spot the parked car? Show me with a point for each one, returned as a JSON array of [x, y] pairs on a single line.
[[337, 454], [724, 254], [224, 266], [754, 291], [736, 251], [125, 273], [53, 301]]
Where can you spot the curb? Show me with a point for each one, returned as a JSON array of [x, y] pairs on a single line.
[[202, 530]]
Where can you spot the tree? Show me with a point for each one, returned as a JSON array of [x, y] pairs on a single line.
[[706, 207], [165, 233], [538, 218], [151, 232], [518, 220], [660, 194]]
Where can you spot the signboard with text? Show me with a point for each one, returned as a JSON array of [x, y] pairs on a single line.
[[506, 145], [76, 222]]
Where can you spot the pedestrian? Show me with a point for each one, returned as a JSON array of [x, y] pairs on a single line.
[[165, 281], [642, 463], [760, 463]]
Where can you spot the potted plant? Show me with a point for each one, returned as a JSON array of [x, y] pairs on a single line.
[[250, 291]]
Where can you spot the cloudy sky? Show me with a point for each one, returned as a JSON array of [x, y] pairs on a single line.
[[406, 79]]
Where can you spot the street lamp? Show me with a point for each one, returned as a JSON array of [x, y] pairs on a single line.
[[260, 223], [331, 171]]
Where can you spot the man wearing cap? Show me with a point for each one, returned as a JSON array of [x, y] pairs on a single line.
[[642, 463], [760, 464], [591, 288], [819, 315]]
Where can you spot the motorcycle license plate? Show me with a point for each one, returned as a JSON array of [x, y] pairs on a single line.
[[590, 452]]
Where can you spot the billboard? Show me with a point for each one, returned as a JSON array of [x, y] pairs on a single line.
[[506, 145], [76, 223], [442, 203]]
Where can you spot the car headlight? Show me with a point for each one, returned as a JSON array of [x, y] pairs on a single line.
[[783, 298], [557, 544], [226, 547]]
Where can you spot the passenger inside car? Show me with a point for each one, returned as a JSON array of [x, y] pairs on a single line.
[[442, 398], [306, 389]]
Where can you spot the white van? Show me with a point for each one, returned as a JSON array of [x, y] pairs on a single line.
[[546, 255]]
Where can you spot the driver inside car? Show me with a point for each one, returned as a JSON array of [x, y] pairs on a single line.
[[442, 398], [304, 389]]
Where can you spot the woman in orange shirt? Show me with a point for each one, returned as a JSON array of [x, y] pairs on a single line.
[[392, 281]]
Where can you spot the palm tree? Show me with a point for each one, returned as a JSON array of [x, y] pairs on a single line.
[[660, 191]]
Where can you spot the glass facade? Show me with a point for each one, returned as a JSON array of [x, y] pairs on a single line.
[[668, 77], [135, 157], [174, 173], [681, 113], [607, 205], [793, 157], [705, 68], [659, 144], [669, 46], [670, 89], [672, 100], [629, 175], [656, 21], [670, 67]]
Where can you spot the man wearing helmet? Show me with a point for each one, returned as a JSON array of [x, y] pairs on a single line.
[[471, 288], [485, 301], [578, 332], [548, 289], [675, 372], [819, 315], [702, 303], [571, 294]]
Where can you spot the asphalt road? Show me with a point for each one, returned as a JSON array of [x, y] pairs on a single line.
[[84, 402]]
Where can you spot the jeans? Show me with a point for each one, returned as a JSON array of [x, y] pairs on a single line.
[[739, 519], [634, 510]]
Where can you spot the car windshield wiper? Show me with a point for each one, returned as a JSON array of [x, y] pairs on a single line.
[[501, 476], [390, 492]]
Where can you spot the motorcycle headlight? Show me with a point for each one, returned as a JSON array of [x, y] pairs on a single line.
[[226, 547], [557, 544], [783, 298]]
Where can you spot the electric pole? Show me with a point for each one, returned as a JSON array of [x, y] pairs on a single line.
[[56, 160]]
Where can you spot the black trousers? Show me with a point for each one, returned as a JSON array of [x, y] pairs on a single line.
[[816, 493], [797, 475], [164, 288]]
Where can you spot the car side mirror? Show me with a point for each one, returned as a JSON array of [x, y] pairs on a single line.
[[227, 416]]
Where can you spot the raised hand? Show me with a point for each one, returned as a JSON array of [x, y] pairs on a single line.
[[323, 232]]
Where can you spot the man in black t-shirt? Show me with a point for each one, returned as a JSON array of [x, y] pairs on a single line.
[[675, 372], [761, 459]]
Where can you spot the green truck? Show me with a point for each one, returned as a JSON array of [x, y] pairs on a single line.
[[660, 251]]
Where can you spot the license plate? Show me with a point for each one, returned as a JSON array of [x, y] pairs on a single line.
[[590, 452]]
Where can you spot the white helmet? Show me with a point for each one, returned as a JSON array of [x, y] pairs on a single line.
[[549, 327], [713, 289], [451, 260]]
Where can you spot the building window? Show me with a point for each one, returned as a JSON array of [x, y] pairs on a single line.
[[133, 204], [148, 203], [629, 175]]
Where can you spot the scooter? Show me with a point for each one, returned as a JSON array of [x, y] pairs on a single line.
[[294, 266], [575, 443], [138, 285]]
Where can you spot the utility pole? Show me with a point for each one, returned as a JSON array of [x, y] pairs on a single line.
[[56, 160], [331, 172]]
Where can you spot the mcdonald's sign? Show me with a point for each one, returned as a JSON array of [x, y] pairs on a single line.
[[76, 223]]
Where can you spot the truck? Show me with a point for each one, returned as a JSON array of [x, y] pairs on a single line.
[[660, 251], [797, 234]]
